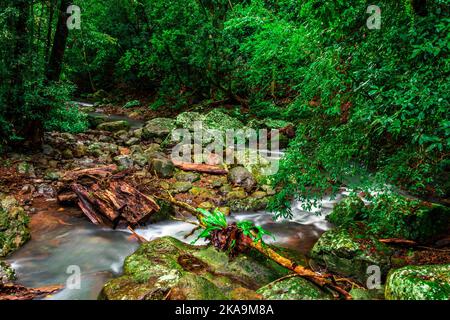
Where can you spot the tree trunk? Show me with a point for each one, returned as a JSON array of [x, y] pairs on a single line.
[[54, 66]]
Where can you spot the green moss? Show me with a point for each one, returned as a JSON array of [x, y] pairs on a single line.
[[294, 288], [190, 272], [430, 282], [347, 211], [14, 231], [351, 254]]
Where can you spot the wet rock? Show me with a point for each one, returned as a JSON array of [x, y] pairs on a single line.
[[158, 128], [201, 192], [114, 126], [46, 190], [236, 194], [132, 141], [181, 187], [80, 150], [186, 120], [14, 231], [67, 154], [124, 162], [164, 168], [239, 176], [187, 176], [429, 282], [139, 158], [52, 175], [248, 204], [294, 288], [168, 268], [165, 212], [7, 274], [351, 253], [96, 119]]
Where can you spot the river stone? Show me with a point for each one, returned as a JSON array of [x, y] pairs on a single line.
[[201, 192], [248, 204], [236, 195], [132, 141], [67, 154], [164, 168], [240, 176], [158, 128], [294, 288], [217, 119], [26, 168], [181, 186], [186, 120], [187, 176], [428, 282], [351, 253], [114, 126], [166, 266], [14, 231], [7, 274], [124, 162], [52, 175], [79, 150]]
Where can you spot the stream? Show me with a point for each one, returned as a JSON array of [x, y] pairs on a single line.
[[64, 237]]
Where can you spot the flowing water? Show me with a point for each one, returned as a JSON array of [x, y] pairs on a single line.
[[63, 237], [63, 240]]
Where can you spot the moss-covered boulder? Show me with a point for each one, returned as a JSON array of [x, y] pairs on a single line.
[[350, 253], [166, 267], [7, 274], [393, 216], [294, 288], [248, 204], [14, 231], [158, 128], [219, 120], [187, 119], [430, 282], [114, 126]]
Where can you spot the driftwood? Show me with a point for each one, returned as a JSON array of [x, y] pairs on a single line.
[[402, 242], [105, 200], [200, 167], [18, 292], [323, 280]]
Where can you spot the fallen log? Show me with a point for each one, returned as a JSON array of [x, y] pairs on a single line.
[[98, 172], [395, 241], [200, 167], [114, 201], [18, 292], [323, 280]]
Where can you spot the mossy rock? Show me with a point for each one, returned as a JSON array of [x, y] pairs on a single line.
[[114, 126], [186, 120], [218, 120], [190, 272], [132, 104], [166, 211], [351, 253], [158, 128], [14, 221], [429, 282], [248, 204], [294, 288], [365, 294], [347, 211], [7, 273]]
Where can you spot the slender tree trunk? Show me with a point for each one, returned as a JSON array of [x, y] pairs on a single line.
[[54, 66], [51, 12]]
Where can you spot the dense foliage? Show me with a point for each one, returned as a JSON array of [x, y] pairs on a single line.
[[367, 104]]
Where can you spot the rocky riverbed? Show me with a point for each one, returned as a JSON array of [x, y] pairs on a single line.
[[169, 267]]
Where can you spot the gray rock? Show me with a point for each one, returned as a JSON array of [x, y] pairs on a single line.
[[239, 176], [158, 128], [187, 176], [125, 161], [181, 187], [114, 126], [164, 168]]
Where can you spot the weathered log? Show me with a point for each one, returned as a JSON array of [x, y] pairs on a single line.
[[114, 201], [200, 167], [98, 172], [18, 292], [395, 241]]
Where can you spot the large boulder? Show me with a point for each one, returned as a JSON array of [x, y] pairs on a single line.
[[158, 128], [350, 253], [240, 176], [14, 231], [168, 268], [429, 282], [164, 168], [187, 119], [114, 126], [294, 288]]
